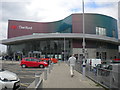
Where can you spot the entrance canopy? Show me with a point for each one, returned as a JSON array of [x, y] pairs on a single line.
[[60, 35]]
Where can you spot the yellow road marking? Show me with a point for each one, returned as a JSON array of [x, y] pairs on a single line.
[[24, 85]]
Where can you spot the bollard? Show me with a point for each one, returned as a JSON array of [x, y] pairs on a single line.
[[59, 62], [110, 86], [49, 69], [37, 78], [45, 73], [97, 74], [83, 73], [52, 66]]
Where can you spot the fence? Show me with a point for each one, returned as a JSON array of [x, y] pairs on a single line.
[[108, 78]]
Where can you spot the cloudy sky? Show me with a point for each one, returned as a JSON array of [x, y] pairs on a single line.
[[50, 10]]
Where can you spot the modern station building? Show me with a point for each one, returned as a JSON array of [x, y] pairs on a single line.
[[62, 38]]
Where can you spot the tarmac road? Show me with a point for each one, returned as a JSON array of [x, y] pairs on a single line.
[[26, 75]]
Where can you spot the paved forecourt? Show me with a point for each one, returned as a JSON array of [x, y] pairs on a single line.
[[60, 78]]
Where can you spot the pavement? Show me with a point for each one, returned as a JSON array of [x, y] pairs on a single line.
[[60, 78]]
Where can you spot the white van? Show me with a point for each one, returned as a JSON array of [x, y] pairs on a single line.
[[93, 62]]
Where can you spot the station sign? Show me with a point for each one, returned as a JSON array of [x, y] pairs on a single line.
[[21, 27]]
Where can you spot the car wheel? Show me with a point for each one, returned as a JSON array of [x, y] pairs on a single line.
[[41, 66], [23, 66]]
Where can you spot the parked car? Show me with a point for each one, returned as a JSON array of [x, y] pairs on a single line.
[[54, 60], [116, 61], [0, 57], [32, 62], [114, 67], [103, 69], [8, 80], [104, 66], [109, 67]]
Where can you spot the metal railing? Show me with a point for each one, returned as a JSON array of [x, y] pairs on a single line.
[[39, 78], [109, 79], [38, 81]]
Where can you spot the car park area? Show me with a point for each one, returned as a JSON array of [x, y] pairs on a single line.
[[26, 75]]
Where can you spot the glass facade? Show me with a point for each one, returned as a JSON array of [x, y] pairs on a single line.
[[55, 48], [64, 26], [58, 48]]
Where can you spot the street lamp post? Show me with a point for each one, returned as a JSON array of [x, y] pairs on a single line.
[[83, 43], [64, 50]]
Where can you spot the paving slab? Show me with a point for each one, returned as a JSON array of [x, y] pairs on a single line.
[[60, 78]]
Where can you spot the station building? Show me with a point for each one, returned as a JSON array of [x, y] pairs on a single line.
[[62, 38]]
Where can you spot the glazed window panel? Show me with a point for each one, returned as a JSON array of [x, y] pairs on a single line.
[[113, 33], [97, 30], [101, 31]]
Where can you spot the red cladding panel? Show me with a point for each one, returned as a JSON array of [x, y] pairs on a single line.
[[77, 43], [89, 43], [77, 23], [21, 28]]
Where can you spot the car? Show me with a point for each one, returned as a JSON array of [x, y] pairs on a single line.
[[0, 57], [32, 62], [103, 69], [54, 60], [114, 67], [9, 80], [104, 66], [99, 66], [116, 60]]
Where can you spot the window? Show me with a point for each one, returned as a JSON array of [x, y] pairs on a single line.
[[97, 55], [100, 31], [34, 60], [28, 59], [104, 55], [97, 31], [113, 32], [101, 55]]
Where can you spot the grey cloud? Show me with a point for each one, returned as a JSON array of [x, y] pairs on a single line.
[[13, 10], [18, 11]]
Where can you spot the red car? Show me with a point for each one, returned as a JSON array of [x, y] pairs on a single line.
[[32, 62], [116, 60], [54, 60]]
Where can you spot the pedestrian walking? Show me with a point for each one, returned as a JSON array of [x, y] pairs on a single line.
[[18, 58], [72, 61]]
